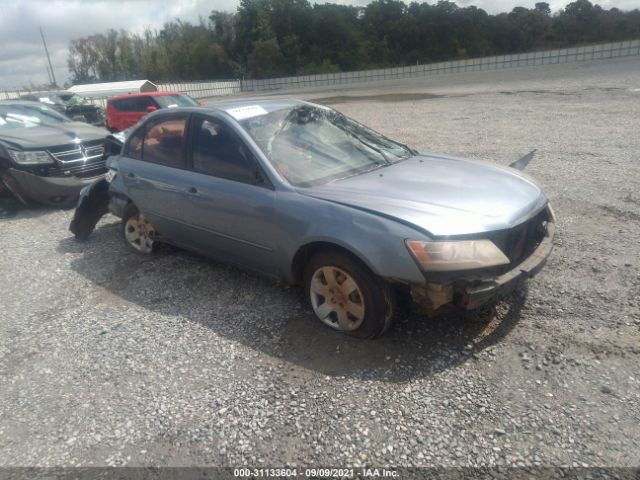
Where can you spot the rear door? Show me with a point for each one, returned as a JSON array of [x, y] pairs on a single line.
[[230, 201], [154, 172]]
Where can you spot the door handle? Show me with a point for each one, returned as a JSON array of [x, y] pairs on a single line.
[[193, 191], [131, 175]]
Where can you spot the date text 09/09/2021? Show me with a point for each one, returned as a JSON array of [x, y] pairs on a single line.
[[314, 473]]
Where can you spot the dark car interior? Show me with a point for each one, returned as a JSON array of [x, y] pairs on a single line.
[[219, 152]]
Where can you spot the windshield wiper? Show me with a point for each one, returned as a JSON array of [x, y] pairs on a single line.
[[376, 166], [375, 149], [358, 135], [406, 147]]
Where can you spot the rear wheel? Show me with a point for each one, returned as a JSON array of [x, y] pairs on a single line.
[[138, 232], [347, 297]]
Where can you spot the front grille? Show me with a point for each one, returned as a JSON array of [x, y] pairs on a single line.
[[84, 159], [76, 152], [519, 242], [82, 171]]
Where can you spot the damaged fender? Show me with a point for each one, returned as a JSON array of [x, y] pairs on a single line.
[[92, 206]]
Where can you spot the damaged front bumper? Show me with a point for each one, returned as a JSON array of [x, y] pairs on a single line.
[[96, 200], [59, 191], [93, 204], [433, 297]]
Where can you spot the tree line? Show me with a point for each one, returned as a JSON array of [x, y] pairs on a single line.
[[270, 38]]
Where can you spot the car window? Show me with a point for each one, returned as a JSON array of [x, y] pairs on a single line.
[[133, 104], [134, 147], [141, 103], [71, 99], [163, 142], [312, 145], [170, 101], [121, 105], [22, 115], [218, 151]]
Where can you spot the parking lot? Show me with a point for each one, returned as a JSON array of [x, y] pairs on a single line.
[[111, 358]]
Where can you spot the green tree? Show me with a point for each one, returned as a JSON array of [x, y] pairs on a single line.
[[266, 38], [266, 59], [252, 25], [82, 61]]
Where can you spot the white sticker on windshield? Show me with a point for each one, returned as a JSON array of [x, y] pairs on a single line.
[[240, 113]]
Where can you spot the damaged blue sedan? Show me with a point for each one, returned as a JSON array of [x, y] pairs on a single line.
[[300, 193]]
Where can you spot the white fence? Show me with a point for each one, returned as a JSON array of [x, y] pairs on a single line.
[[194, 89], [203, 89], [231, 87], [565, 55]]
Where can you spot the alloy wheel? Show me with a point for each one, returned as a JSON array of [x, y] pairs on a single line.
[[139, 233], [337, 299]]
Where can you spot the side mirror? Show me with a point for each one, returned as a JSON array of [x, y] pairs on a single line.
[[151, 108]]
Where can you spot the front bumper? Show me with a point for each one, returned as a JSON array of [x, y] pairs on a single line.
[[479, 295], [59, 191], [435, 297]]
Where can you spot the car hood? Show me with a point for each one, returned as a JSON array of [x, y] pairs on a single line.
[[44, 136], [441, 195]]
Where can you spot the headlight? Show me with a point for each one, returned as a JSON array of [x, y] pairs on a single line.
[[30, 158], [456, 255]]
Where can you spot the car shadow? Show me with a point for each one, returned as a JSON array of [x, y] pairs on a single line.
[[275, 320], [11, 207]]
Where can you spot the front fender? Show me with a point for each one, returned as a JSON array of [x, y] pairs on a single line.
[[377, 241]]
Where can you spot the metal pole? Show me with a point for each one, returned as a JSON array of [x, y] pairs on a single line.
[[53, 75], [49, 75]]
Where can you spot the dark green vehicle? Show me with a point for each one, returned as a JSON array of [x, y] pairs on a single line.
[[45, 157]]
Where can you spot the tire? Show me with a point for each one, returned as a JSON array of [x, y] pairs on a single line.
[[346, 296], [137, 232], [9, 183]]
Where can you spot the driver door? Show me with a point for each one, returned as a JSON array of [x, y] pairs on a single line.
[[228, 202]]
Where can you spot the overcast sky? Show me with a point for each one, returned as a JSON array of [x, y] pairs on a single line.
[[22, 57]]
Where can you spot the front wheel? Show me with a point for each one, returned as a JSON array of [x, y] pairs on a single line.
[[138, 232], [347, 297]]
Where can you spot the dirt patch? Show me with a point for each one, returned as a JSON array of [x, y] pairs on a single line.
[[621, 214], [537, 92], [386, 97], [631, 199]]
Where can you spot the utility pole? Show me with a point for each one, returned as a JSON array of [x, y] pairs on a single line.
[[49, 75], [53, 75]]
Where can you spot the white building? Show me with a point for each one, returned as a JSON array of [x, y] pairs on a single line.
[[101, 90]]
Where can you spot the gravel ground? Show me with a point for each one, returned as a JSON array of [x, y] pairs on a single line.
[[109, 358]]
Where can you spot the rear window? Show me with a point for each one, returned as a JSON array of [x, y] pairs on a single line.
[[71, 99]]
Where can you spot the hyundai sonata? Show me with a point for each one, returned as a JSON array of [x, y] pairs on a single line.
[[303, 194]]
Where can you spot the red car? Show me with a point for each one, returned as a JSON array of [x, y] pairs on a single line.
[[124, 111]]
